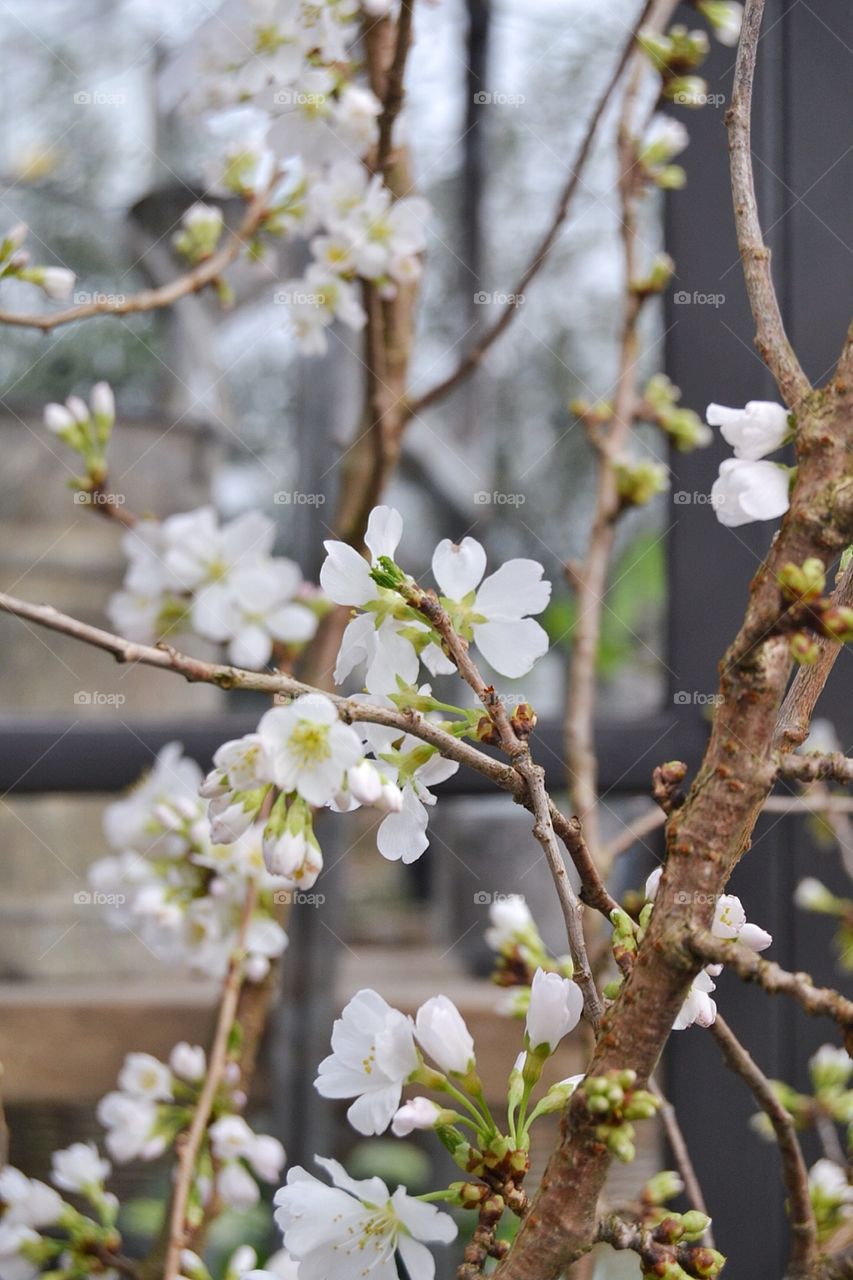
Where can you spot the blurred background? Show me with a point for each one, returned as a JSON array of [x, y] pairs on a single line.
[[217, 405]]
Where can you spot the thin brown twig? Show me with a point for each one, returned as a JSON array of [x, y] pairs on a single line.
[[474, 357], [188, 1147], [350, 710], [809, 682], [517, 748], [794, 1171], [771, 338], [205, 273], [683, 1159], [590, 576]]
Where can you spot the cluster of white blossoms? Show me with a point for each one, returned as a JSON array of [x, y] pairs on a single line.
[[303, 757], [729, 922], [355, 1226], [276, 83], [155, 1101], [748, 487], [15, 263], [390, 638], [173, 887], [189, 572]]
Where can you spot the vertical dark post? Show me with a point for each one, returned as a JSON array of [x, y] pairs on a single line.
[[802, 98]]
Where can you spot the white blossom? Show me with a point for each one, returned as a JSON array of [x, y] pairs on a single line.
[[373, 1054], [510, 919], [416, 1114], [79, 1167], [555, 1008], [698, 1006], [497, 618], [761, 427], [308, 747], [27, 1202], [143, 1076], [354, 1227], [745, 491], [443, 1035], [188, 1062]]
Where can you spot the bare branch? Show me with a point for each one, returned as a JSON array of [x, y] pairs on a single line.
[[771, 339], [517, 748], [794, 1171], [808, 684], [473, 358], [835, 767], [189, 1145], [750, 966], [166, 295], [675, 1138]]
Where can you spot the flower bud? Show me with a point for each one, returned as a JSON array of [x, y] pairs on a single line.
[[695, 1224], [805, 582], [664, 1186], [804, 648]]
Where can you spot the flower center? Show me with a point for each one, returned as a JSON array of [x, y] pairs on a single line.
[[309, 742]]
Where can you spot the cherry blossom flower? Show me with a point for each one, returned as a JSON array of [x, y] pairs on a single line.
[[746, 491], [355, 1227], [259, 608], [143, 1076], [510, 921], [416, 1114], [131, 1124], [761, 427], [308, 747], [555, 1008], [79, 1168], [730, 922], [442, 1033], [373, 1054], [494, 612], [26, 1201], [698, 1006], [14, 1239]]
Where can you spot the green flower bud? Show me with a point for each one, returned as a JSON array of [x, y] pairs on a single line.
[[803, 582], [664, 1186], [695, 1224]]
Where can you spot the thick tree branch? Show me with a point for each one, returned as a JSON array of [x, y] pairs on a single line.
[[794, 1171], [770, 336]]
